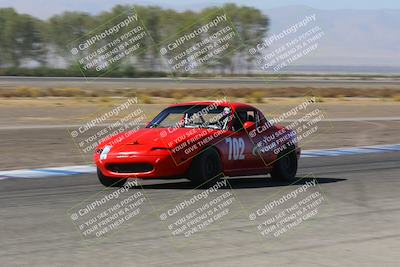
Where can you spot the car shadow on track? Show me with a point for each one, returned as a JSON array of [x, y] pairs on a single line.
[[242, 183]]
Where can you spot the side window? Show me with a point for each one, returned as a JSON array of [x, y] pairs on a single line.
[[238, 120], [251, 115], [242, 116]]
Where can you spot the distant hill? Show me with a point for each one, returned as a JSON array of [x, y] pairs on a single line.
[[352, 37]]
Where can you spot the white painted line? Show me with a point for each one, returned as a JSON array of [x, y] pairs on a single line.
[[333, 152], [89, 169], [48, 172], [22, 174]]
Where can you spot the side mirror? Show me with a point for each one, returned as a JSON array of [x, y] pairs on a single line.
[[249, 125]]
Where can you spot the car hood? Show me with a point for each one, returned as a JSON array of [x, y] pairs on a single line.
[[157, 137]]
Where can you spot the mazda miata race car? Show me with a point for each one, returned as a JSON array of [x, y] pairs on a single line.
[[200, 141]]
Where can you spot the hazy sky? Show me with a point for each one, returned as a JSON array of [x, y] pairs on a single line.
[[46, 8]]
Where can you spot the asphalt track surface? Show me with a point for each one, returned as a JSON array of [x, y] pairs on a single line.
[[166, 83], [358, 225]]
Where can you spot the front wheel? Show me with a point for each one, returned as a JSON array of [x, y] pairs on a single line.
[[206, 167], [285, 167], [108, 181]]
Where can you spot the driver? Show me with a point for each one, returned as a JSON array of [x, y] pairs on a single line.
[[223, 121]]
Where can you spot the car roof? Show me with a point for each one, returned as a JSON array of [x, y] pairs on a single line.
[[222, 103]]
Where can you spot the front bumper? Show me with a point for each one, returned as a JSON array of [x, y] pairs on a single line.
[[162, 166]]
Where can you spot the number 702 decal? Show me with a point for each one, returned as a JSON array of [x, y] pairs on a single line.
[[236, 148]]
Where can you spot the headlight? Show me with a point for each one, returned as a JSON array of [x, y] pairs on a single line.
[[104, 153]]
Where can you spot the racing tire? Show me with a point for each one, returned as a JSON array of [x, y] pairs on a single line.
[[206, 168], [108, 181], [285, 168]]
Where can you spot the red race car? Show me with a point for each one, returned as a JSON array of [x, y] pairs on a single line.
[[200, 141]]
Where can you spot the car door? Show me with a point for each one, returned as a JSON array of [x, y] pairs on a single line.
[[263, 139], [239, 147]]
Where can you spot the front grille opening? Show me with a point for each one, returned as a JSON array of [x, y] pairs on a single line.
[[129, 167]]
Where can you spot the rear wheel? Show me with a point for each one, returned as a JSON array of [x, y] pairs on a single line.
[[206, 167], [285, 167], [108, 181]]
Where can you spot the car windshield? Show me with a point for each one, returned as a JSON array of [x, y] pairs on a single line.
[[193, 116]]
